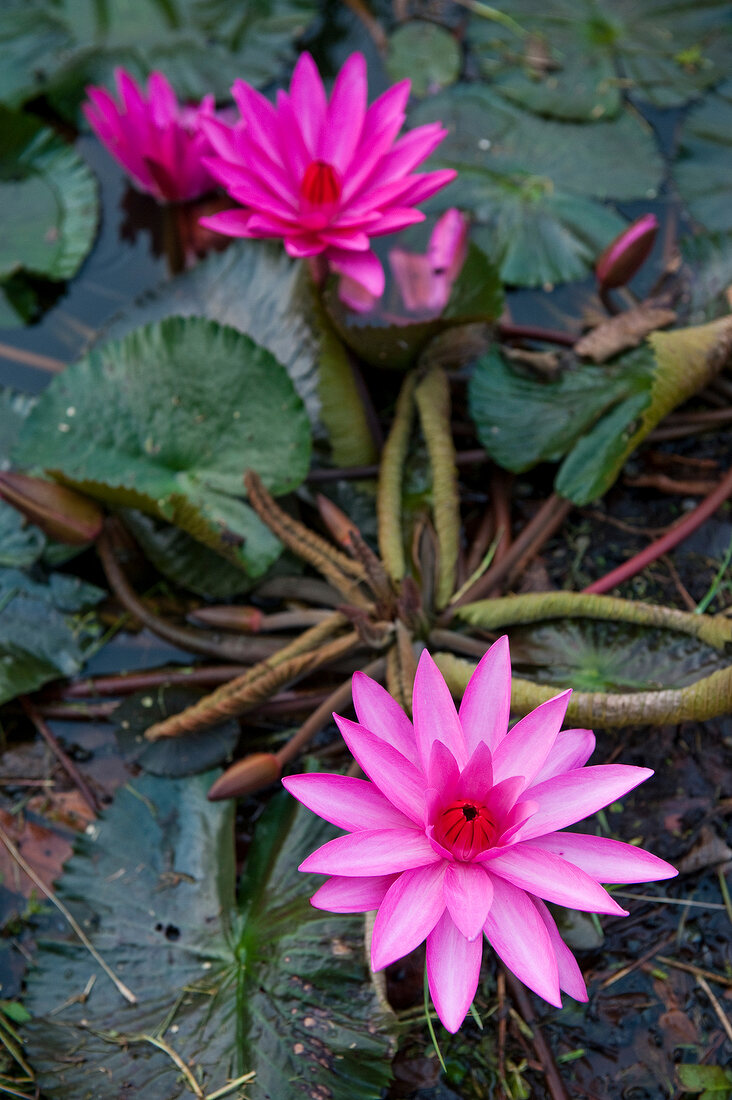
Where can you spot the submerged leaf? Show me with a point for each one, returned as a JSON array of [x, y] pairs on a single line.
[[426, 53], [703, 169], [272, 986], [168, 420]]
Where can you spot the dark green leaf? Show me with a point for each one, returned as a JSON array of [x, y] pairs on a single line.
[[535, 185], [21, 543], [185, 754], [49, 200], [426, 53], [56, 48], [278, 988], [167, 420], [255, 287], [703, 171], [708, 274], [576, 57], [42, 634]]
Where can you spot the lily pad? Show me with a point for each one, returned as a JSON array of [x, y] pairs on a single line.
[[536, 187], [44, 633], [255, 287], [610, 657], [595, 416], [56, 47], [575, 58], [426, 53], [267, 985], [707, 275], [167, 420], [49, 201], [703, 172]]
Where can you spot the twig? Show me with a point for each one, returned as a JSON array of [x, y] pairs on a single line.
[[64, 760], [544, 1053], [129, 682], [672, 538], [193, 1084], [657, 900], [509, 331], [696, 970], [720, 1013], [243, 1080], [31, 358], [25, 866]]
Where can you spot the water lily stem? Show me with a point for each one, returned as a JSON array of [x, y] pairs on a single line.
[[432, 396], [391, 473], [509, 331], [64, 760], [672, 538]]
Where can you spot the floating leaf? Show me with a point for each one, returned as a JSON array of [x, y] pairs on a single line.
[[533, 185], [170, 756], [707, 275], [21, 543], [49, 200], [610, 657], [42, 634], [56, 48], [272, 986], [596, 416], [576, 57], [714, 1082], [427, 54], [167, 420], [703, 170], [255, 287]]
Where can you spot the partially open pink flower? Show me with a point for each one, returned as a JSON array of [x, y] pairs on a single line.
[[457, 834], [424, 279], [158, 142], [325, 175]]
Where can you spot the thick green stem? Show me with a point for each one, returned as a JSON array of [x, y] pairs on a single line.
[[433, 402], [391, 472], [535, 607]]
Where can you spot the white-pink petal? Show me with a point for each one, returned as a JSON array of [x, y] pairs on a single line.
[[372, 852], [379, 712], [519, 937], [352, 895], [570, 797], [572, 749], [433, 710], [411, 908], [453, 970], [570, 975], [605, 859], [345, 801], [392, 773], [468, 893], [525, 747], [553, 878], [486, 703]]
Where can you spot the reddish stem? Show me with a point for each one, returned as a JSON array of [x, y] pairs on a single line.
[[672, 538], [508, 331]]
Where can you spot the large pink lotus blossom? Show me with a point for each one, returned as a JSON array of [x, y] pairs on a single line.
[[457, 834], [159, 142], [325, 175]]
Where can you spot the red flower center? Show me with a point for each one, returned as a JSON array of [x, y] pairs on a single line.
[[467, 829], [321, 184]]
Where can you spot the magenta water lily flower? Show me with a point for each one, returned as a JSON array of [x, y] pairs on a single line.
[[159, 142], [457, 834], [325, 175], [625, 255]]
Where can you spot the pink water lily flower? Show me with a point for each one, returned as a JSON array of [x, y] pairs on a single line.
[[457, 834], [159, 142], [326, 175]]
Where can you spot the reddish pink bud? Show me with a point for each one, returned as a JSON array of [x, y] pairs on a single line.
[[61, 513], [627, 253], [246, 776]]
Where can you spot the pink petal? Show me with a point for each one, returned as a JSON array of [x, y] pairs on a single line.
[[413, 275], [570, 975], [345, 115], [260, 117], [232, 223], [162, 100], [453, 970], [525, 747], [352, 895], [351, 240], [449, 243], [435, 717], [383, 121], [606, 860], [410, 910], [424, 186], [379, 712], [299, 246], [572, 749], [519, 937], [443, 773], [392, 773], [550, 877], [363, 267], [486, 703], [395, 219], [372, 852], [476, 779], [468, 893], [571, 797], [308, 100], [346, 802]]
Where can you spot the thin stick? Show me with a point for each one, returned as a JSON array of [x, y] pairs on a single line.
[[554, 1080], [720, 1013], [193, 1084], [696, 970], [64, 760], [25, 866], [31, 358], [668, 901], [243, 1080]]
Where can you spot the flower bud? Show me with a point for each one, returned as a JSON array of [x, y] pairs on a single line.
[[61, 513], [627, 253], [246, 776]]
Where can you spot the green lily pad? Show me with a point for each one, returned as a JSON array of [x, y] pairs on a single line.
[[707, 275], [591, 656], [575, 58], [21, 544], [267, 985], [255, 287], [427, 54], [49, 201], [703, 172], [714, 1082], [535, 187], [594, 415], [167, 420], [44, 633], [56, 48]]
